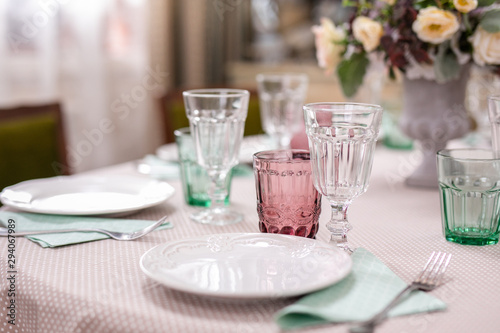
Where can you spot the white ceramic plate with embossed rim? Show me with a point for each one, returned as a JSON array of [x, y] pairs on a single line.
[[246, 265], [86, 195]]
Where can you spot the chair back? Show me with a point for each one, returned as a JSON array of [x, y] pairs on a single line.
[[32, 143]]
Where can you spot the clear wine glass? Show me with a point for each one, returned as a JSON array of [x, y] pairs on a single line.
[[342, 139], [217, 120], [281, 97]]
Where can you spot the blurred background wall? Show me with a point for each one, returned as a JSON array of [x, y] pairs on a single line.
[[95, 58], [107, 61]]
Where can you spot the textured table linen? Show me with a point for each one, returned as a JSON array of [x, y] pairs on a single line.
[[99, 287], [358, 297]]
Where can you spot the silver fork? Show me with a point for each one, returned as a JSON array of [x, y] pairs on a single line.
[[427, 280], [113, 234]]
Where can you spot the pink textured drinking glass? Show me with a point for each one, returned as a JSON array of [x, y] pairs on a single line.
[[287, 201]]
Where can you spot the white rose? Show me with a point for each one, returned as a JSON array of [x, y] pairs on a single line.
[[435, 25], [465, 6], [328, 40], [368, 32], [486, 47]]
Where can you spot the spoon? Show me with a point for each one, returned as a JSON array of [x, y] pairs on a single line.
[[112, 234]]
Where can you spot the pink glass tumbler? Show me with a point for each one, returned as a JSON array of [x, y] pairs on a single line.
[[287, 201]]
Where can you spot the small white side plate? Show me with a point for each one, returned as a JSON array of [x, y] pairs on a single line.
[[246, 265], [86, 195]]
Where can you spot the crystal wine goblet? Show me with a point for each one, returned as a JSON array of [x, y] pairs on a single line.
[[281, 96], [342, 139], [217, 120]]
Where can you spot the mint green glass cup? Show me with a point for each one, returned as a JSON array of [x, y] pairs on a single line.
[[469, 181], [194, 178]]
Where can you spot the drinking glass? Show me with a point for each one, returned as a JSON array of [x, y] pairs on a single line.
[[281, 96], [287, 201], [342, 139], [494, 116], [217, 120], [194, 178], [469, 180]]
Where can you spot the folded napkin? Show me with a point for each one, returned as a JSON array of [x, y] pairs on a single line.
[[158, 168], [243, 170], [29, 221], [364, 292], [163, 169]]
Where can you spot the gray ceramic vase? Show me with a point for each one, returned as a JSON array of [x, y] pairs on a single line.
[[432, 115]]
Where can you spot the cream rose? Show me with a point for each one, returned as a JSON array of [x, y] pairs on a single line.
[[486, 47], [465, 6], [368, 32], [435, 25], [328, 40]]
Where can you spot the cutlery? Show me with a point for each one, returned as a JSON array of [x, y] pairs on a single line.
[[429, 278], [113, 234]]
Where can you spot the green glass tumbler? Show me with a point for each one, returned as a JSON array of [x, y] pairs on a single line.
[[469, 180], [195, 180]]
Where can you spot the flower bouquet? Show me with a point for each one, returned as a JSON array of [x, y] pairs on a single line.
[[429, 39]]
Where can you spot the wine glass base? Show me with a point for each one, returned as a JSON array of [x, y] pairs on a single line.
[[345, 247], [217, 216], [341, 243]]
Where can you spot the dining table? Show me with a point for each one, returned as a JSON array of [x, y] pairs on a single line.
[[99, 286]]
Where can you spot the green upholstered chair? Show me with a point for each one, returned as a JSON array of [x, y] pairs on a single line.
[[171, 107], [32, 143]]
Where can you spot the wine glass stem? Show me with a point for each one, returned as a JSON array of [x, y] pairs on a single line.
[[218, 190], [339, 226], [281, 141]]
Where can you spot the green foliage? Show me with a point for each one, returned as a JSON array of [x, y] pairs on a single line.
[[446, 66], [419, 4], [484, 3], [392, 74], [349, 3], [491, 21], [351, 73]]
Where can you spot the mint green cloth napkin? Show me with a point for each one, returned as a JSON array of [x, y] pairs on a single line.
[[162, 169], [365, 291], [29, 221]]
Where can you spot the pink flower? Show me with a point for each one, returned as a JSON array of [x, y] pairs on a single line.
[[329, 48]]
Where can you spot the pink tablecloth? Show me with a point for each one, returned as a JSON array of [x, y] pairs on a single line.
[[99, 287]]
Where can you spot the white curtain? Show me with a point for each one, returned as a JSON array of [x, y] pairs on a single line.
[[93, 57]]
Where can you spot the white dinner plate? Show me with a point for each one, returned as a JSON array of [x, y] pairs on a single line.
[[86, 195], [246, 265]]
